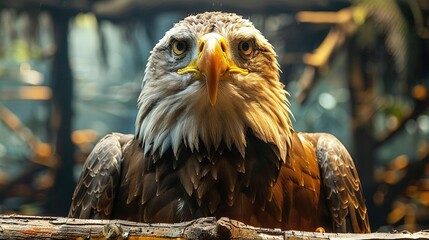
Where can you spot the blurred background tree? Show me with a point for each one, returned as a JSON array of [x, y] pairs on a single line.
[[70, 72]]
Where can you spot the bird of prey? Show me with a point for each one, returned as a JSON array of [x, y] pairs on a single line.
[[213, 137]]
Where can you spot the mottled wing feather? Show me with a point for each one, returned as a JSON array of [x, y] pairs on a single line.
[[95, 191], [341, 186]]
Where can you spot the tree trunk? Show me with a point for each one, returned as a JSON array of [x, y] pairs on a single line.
[[59, 198]]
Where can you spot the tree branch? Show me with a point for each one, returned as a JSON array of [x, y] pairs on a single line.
[[29, 227]]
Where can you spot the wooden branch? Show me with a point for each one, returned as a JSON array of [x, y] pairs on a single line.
[[42, 152], [32, 93], [323, 53], [341, 17], [306, 83], [30, 227], [318, 60]]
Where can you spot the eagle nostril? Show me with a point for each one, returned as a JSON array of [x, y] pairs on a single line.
[[201, 47], [223, 46]]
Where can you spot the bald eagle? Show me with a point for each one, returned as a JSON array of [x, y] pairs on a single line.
[[213, 137]]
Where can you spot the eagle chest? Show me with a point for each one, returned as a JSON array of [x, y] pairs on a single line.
[[197, 184]]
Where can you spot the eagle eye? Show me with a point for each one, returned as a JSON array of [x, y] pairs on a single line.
[[246, 48], [179, 47]]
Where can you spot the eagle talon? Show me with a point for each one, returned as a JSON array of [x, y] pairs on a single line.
[[111, 231]]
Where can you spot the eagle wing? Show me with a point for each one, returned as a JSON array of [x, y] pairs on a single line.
[[341, 185], [95, 191]]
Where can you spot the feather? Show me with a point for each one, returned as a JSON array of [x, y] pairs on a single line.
[[341, 183], [96, 188]]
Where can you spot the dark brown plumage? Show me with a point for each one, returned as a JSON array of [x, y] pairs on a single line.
[[214, 138]]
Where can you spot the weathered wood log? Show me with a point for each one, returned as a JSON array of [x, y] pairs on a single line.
[[36, 227]]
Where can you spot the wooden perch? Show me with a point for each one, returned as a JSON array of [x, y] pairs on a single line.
[[36, 227]]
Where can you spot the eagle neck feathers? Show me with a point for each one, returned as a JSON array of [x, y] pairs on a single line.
[[187, 120]]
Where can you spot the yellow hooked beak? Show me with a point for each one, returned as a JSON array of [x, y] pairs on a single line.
[[212, 62]]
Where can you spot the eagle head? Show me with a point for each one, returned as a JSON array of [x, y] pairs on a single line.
[[211, 80]]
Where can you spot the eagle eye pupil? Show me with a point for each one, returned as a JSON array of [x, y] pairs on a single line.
[[246, 48], [179, 47]]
